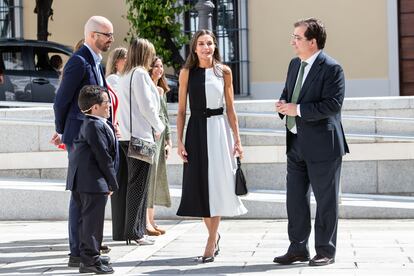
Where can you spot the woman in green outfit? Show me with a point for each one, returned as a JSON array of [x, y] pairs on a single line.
[[159, 193]]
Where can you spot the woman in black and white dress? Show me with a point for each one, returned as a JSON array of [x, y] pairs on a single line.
[[211, 142]]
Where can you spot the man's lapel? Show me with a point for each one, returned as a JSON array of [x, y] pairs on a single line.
[[89, 58], [292, 78]]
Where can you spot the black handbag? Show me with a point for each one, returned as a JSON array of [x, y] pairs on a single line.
[[139, 148], [241, 188]]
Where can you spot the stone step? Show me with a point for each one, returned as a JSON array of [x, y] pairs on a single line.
[[369, 169], [381, 116], [24, 199]]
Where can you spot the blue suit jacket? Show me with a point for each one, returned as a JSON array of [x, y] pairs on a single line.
[[319, 128], [79, 71], [92, 164]]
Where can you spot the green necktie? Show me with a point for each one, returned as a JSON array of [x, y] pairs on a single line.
[[290, 123]]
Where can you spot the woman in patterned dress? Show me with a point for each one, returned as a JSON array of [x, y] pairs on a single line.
[[158, 191]]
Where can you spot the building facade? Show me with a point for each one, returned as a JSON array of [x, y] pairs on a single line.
[[370, 38]]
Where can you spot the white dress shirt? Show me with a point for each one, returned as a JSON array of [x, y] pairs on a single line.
[[97, 58], [309, 62]]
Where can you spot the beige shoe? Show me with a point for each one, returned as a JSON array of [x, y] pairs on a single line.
[[162, 231], [153, 232]]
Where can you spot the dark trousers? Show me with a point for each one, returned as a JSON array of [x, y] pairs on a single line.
[[74, 219], [136, 199], [324, 178], [73, 225], [92, 210], [118, 198]]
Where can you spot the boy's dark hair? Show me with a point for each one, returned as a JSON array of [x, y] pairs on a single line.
[[89, 96], [315, 30]]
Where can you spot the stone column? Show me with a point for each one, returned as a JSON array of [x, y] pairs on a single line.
[[204, 9]]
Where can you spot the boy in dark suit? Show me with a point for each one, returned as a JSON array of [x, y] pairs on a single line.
[[92, 175]]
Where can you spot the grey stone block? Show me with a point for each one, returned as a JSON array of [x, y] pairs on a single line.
[[264, 122], [175, 174], [44, 113], [255, 140], [32, 204], [362, 212], [173, 119], [45, 134], [265, 176], [254, 106], [396, 177], [359, 177], [262, 209], [370, 103], [53, 174], [174, 138], [353, 125], [396, 127], [242, 121], [35, 173], [19, 138]]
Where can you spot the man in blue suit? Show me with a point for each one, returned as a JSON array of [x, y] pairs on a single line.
[[83, 68], [311, 102], [91, 174]]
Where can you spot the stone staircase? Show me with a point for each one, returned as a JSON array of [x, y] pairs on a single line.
[[377, 177]]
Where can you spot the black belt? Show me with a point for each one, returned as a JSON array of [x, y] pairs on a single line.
[[207, 112]]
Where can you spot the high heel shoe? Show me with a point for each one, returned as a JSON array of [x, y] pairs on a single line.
[[142, 241], [207, 259], [210, 259], [217, 251]]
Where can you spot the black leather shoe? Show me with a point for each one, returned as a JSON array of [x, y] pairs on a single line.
[[73, 261], [290, 258], [320, 260], [97, 268]]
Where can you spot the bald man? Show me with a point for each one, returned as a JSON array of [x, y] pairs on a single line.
[[83, 68]]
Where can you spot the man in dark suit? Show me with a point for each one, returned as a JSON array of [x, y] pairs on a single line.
[[311, 102], [92, 176], [83, 68]]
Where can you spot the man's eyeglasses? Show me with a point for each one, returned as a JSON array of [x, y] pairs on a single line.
[[108, 35], [298, 38], [106, 102]]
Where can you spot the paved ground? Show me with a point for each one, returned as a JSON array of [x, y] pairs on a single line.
[[365, 247]]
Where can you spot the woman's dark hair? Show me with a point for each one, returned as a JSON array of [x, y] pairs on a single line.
[[192, 59], [314, 30], [90, 95], [162, 82]]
